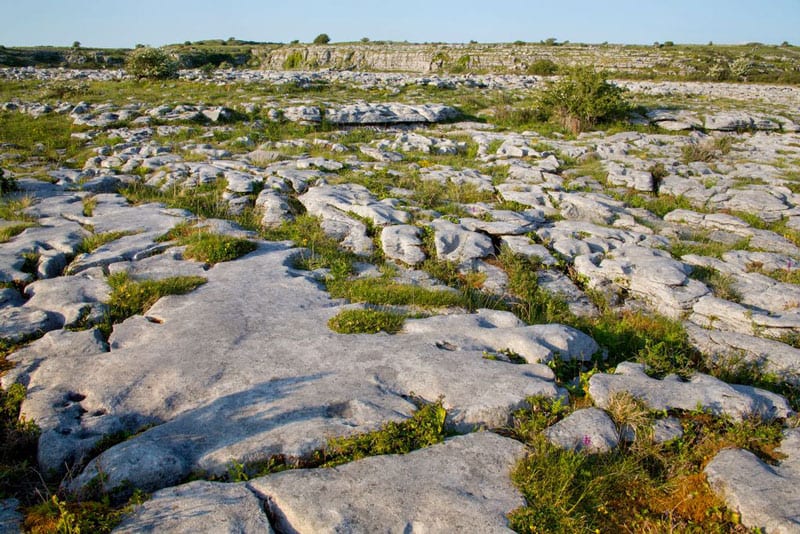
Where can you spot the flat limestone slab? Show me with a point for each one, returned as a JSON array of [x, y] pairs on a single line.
[[245, 367], [766, 496], [461, 485], [199, 507]]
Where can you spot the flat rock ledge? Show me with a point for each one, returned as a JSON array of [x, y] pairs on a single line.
[[461, 485], [199, 507], [766, 496], [701, 390]]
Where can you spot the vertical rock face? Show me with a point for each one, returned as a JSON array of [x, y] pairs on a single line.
[[461, 485]]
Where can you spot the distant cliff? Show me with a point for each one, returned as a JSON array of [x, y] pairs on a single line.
[[749, 62]]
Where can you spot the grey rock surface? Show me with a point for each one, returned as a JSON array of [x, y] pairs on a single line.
[[402, 242], [461, 485], [10, 516], [198, 507], [265, 384], [455, 243], [700, 390], [588, 429], [766, 496]]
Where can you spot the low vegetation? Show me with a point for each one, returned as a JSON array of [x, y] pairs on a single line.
[[642, 487], [209, 247], [131, 297], [366, 321]]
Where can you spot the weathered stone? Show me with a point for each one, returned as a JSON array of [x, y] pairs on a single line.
[[403, 243], [10, 516], [70, 299], [772, 356], [198, 507], [766, 496], [700, 390], [460, 485], [391, 113], [319, 384], [455, 243], [274, 207], [588, 429], [16, 324]]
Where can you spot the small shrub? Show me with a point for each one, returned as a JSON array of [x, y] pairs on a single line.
[[148, 62], [367, 321], [322, 39], [583, 98], [543, 67]]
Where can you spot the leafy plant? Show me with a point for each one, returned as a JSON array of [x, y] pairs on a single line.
[[583, 98], [148, 62], [322, 39]]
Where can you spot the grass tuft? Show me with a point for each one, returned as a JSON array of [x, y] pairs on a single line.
[[367, 321]]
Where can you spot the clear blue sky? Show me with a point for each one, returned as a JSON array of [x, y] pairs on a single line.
[[123, 23]]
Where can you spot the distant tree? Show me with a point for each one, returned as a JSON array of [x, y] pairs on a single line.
[[550, 41], [785, 44], [294, 41], [322, 39], [187, 43], [669, 43], [365, 39], [76, 44]]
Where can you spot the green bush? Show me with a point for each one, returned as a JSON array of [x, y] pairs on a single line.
[[581, 99], [322, 39], [148, 62], [543, 67]]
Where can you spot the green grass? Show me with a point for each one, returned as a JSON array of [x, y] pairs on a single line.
[[46, 138], [208, 247], [641, 487], [423, 429], [7, 232], [701, 245], [387, 292], [130, 297], [91, 243], [367, 321], [720, 284], [323, 251]]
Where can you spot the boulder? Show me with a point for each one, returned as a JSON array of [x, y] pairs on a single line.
[[588, 429]]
